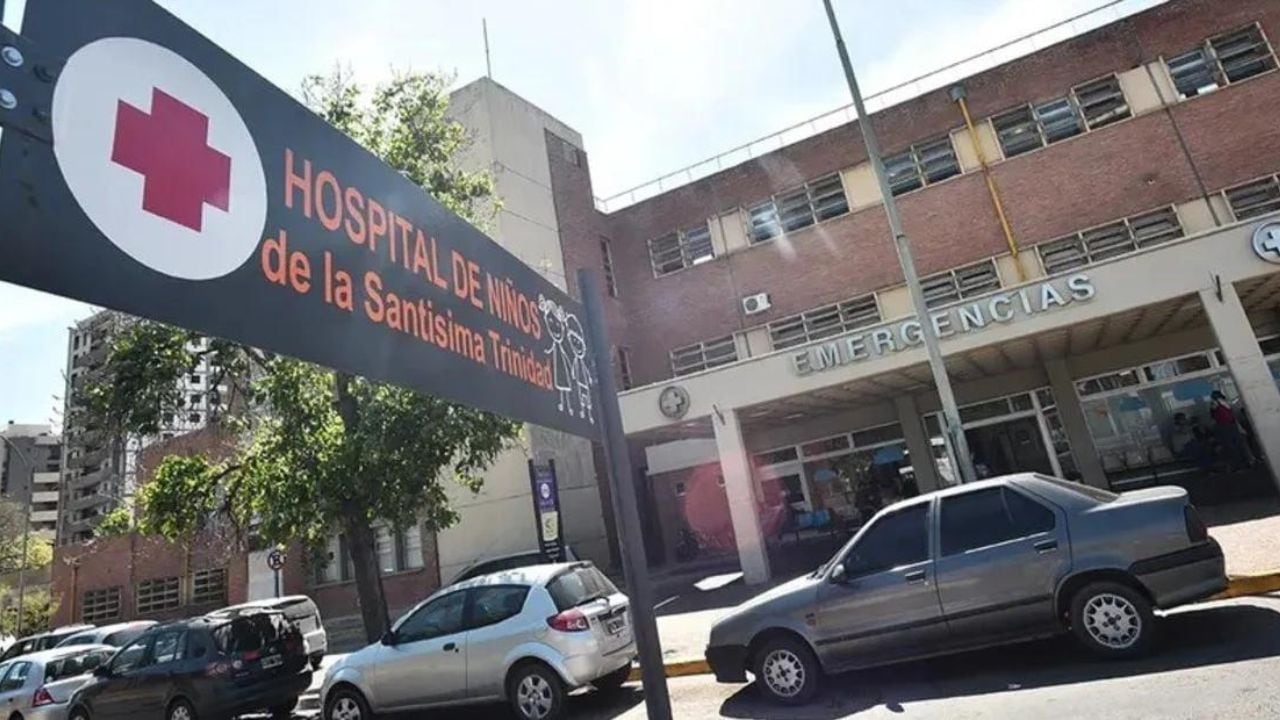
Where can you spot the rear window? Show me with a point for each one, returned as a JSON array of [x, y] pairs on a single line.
[[74, 665], [250, 632], [579, 585], [1089, 491], [81, 639]]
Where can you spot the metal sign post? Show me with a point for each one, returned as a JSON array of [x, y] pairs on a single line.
[[545, 487], [630, 542]]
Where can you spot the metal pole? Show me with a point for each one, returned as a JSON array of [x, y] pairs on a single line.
[[630, 542], [26, 524], [951, 425], [484, 26]]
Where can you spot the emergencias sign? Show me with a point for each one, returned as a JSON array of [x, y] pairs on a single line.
[[182, 186], [971, 317]]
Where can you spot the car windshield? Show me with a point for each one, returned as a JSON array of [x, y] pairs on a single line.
[[1093, 493], [250, 632], [579, 586]]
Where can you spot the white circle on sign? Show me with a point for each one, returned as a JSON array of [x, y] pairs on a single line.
[[545, 491], [158, 158], [1266, 242]]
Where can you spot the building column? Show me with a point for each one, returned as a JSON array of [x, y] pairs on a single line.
[[1075, 425], [739, 486], [918, 445], [1248, 368]]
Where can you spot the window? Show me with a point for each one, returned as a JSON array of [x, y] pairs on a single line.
[[1220, 60], [249, 633], [1254, 198], [961, 283], [922, 164], [679, 250], [987, 517], [442, 616], [1017, 131], [16, 677], [679, 488], [570, 153], [1111, 240], [411, 547], [100, 606], [196, 399], [1101, 102], [167, 647], [193, 418], [492, 605], [824, 322], [330, 570], [893, 541], [130, 658], [624, 368], [773, 457], [158, 594], [818, 200], [578, 586], [75, 665], [606, 261], [704, 355], [209, 586], [384, 546], [195, 378]]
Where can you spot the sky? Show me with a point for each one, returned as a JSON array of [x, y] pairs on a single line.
[[652, 86]]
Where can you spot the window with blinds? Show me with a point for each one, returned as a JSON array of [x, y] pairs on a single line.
[[817, 200], [922, 164], [704, 355], [209, 587], [100, 606], [679, 250], [158, 594], [1111, 240], [1088, 106], [1221, 60], [1251, 199], [823, 322], [960, 283]]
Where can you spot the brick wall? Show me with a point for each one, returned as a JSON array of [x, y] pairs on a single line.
[[1132, 166]]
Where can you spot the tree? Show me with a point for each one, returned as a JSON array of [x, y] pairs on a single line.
[[38, 610], [321, 450], [115, 523], [39, 551]]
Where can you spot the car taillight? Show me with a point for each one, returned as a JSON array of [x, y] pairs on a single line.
[[218, 669], [569, 621], [251, 655], [42, 697], [1196, 529]]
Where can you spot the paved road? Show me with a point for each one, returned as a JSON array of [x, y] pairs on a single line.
[[1217, 660]]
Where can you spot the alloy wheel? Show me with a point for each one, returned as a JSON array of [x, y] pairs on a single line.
[[534, 697], [345, 708], [180, 711], [1112, 621], [784, 673]]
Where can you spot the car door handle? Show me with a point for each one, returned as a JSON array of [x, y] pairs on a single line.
[[914, 576], [450, 647], [1046, 546]]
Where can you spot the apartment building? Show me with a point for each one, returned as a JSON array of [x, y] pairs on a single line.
[[1098, 241], [30, 465]]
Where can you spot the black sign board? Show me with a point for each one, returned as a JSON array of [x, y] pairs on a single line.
[[147, 170], [546, 509]]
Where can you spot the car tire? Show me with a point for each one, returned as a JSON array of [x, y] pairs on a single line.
[[78, 713], [180, 709], [786, 670], [613, 681], [536, 692], [284, 710], [346, 703], [1112, 620]]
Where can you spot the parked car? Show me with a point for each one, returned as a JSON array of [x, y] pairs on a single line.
[[997, 561], [302, 611], [508, 562], [528, 635], [41, 641], [37, 686], [117, 635], [204, 667]]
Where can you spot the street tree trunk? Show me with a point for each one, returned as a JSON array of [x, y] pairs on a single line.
[[359, 533]]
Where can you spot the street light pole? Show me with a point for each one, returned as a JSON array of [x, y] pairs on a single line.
[[26, 531], [951, 426]]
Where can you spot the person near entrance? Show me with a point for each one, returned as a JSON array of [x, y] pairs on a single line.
[[1226, 430]]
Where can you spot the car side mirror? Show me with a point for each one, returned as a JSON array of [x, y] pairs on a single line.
[[839, 575], [389, 638]]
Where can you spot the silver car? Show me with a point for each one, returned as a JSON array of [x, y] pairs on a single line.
[[117, 635], [527, 635], [37, 686], [991, 562]]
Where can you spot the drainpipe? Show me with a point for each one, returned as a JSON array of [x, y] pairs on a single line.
[[958, 94]]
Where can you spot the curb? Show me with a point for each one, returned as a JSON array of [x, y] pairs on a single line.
[[1237, 586]]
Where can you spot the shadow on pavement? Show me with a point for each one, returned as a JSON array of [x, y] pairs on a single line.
[[589, 705], [1231, 513], [786, 562], [1187, 639]]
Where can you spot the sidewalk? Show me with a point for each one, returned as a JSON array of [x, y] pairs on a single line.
[[690, 604]]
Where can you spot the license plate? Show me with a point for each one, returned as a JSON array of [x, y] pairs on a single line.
[[270, 661]]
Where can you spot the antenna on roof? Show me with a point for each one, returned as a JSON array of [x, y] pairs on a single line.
[[488, 68]]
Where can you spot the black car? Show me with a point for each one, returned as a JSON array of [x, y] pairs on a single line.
[[206, 667]]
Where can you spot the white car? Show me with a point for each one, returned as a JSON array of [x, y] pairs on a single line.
[[38, 686], [302, 611], [527, 635]]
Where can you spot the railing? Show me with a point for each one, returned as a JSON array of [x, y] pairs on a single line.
[[1105, 14]]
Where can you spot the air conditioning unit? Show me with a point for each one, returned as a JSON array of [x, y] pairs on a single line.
[[755, 304]]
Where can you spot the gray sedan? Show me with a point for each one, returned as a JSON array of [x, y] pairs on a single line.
[[37, 686], [987, 563]]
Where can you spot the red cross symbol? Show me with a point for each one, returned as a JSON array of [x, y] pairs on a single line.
[[168, 148]]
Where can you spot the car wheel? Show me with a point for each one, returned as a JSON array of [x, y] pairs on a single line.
[[1112, 620], [787, 670], [614, 680], [180, 710], [78, 713], [346, 703], [536, 692], [284, 710]]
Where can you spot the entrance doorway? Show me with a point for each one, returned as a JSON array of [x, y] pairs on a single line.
[[1009, 446]]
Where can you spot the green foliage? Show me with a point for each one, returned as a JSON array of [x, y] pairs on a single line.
[[38, 607], [116, 523], [135, 396], [12, 527]]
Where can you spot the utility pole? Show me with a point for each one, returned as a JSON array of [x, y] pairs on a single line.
[[952, 429], [26, 526], [484, 27]]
